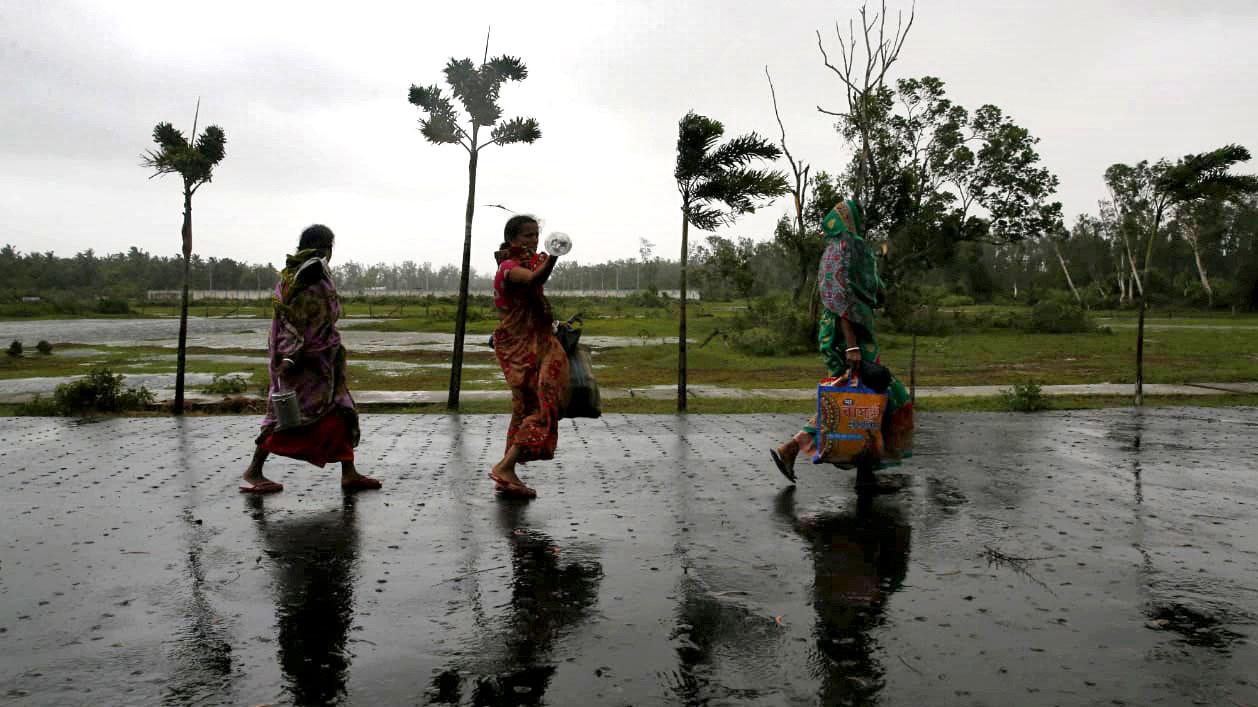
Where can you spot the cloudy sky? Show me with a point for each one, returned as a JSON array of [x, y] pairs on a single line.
[[313, 101]]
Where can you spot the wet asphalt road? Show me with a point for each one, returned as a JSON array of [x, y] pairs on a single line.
[[1090, 558]]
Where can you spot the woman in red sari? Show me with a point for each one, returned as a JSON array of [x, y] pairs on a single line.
[[532, 359]]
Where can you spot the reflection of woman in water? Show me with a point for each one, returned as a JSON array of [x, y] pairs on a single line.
[[860, 556], [550, 594], [315, 564]]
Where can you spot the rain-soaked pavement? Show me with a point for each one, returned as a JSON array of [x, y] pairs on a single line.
[[1086, 558]]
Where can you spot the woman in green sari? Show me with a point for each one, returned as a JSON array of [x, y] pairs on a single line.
[[850, 290]]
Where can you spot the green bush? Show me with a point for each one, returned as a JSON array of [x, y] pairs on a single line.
[[109, 305], [649, 299], [1056, 317], [773, 327], [956, 301], [99, 391], [1025, 397], [226, 385], [39, 407], [15, 349], [43, 347]]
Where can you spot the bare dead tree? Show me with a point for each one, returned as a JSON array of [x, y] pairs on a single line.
[[863, 66], [799, 169], [799, 188]]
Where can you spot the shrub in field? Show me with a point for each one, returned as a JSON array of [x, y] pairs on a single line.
[[226, 385], [1057, 317], [773, 327], [649, 299], [43, 347], [39, 407], [956, 301], [1025, 397], [110, 305], [15, 349], [100, 391]]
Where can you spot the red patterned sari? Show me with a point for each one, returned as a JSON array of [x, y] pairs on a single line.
[[532, 359]]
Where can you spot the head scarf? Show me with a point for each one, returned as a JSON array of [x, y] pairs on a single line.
[[848, 278], [295, 276], [845, 217]]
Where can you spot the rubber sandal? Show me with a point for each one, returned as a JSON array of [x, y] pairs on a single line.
[[362, 483], [788, 472], [511, 489], [262, 487]]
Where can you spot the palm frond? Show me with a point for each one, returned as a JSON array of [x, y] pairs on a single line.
[[743, 190], [429, 98], [212, 145], [740, 150], [463, 78], [706, 218], [696, 136], [524, 130], [168, 137], [508, 68], [439, 129]]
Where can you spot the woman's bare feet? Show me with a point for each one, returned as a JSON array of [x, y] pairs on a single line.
[[351, 480], [505, 479], [254, 481]]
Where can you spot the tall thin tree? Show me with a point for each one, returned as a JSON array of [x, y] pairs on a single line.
[[477, 88], [194, 162], [716, 187], [1148, 194]]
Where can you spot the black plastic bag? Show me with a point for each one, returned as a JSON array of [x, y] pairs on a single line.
[[583, 396], [584, 399]]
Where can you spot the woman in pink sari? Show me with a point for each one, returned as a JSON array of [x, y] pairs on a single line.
[[532, 359], [306, 357]]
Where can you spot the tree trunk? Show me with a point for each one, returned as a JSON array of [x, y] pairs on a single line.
[[1131, 261], [681, 331], [1144, 305], [1140, 355], [460, 320], [1201, 270], [1066, 270], [181, 357]]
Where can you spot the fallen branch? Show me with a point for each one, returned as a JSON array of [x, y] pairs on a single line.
[[469, 574]]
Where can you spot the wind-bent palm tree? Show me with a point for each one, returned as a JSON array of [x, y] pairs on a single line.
[[477, 89], [195, 162], [716, 187]]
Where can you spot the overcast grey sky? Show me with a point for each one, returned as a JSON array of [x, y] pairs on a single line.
[[313, 101]]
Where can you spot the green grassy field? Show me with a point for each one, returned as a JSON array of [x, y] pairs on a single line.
[[1228, 352]]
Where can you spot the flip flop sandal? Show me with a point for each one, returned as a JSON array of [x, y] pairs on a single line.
[[262, 487], [511, 489], [788, 472]]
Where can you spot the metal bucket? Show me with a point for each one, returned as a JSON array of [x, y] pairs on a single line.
[[287, 411]]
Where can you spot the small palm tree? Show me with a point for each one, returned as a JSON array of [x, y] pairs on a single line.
[[195, 162], [716, 187], [477, 89]]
